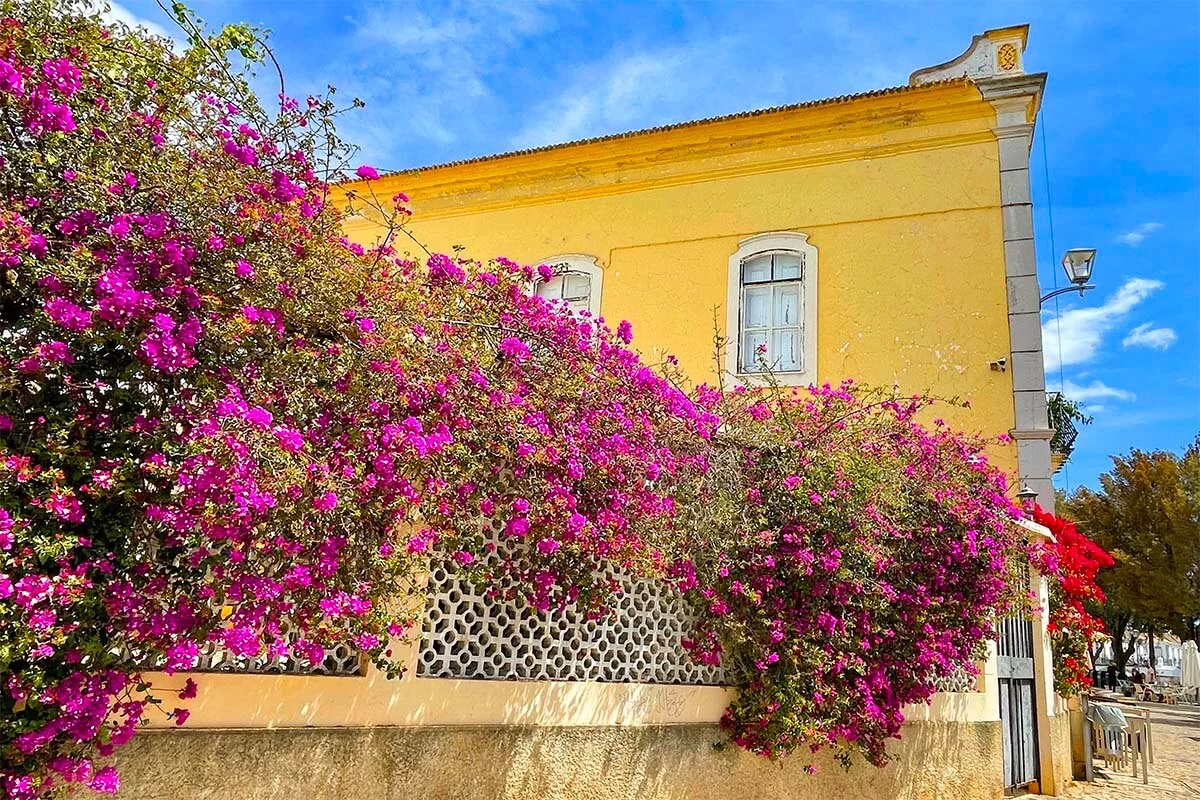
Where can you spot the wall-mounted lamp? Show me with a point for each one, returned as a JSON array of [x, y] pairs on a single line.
[[1077, 263], [1025, 493]]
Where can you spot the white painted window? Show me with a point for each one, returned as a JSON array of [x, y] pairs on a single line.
[[771, 319], [577, 282]]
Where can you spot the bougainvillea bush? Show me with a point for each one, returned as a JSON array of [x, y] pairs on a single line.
[[860, 557], [1071, 562], [222, 423], [217, 416]]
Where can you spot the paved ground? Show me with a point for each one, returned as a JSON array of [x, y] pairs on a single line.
[[1175, 773]]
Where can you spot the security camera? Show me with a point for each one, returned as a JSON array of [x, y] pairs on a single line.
[[999, 365]]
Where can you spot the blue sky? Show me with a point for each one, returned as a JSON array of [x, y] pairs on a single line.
[[1121, 122]]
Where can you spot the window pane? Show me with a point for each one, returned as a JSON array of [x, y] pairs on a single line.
[[551, 289], [757, 310], [787, 304], [756, 270], [789, 266], [751, 342], [785, 350], [577, 286]]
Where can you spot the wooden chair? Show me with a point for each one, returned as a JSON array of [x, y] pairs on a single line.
[[1173, 694]]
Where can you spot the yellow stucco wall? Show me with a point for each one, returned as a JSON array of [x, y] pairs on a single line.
[[899, 194], [934, 761]]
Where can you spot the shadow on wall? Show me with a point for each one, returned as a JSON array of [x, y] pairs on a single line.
[[935, 761], [235, 700]]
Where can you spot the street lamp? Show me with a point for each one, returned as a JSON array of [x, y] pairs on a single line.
[[1077, 263]]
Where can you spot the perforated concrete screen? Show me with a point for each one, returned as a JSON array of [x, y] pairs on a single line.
[[341, 660], [960, 681], [469, 636]]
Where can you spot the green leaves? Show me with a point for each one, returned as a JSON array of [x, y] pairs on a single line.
[[240, 38]]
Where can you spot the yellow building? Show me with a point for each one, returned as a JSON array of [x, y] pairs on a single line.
[[910, 207], [885, 237]]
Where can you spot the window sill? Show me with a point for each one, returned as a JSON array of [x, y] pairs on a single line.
[[757, 379]]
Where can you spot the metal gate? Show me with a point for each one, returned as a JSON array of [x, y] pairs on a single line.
[[1018, 720]]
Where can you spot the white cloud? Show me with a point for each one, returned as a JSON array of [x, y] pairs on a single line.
[[1148, 336], [118, 13], [1076, 335], [1136, 236], [1096, 390], [426, 71], [640, 85], [630, 92]]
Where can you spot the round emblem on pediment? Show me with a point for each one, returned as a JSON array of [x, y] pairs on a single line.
[[1006, 57]]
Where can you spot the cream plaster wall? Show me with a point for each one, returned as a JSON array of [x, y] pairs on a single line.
[[1060, 747]]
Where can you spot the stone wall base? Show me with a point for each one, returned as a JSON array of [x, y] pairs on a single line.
[[934, 761]]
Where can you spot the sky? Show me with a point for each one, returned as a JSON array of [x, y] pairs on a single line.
[[1115, 164]]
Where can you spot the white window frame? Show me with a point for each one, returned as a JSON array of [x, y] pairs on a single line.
[[582, 264], [763, 244]]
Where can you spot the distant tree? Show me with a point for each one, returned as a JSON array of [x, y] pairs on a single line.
[[1147, 515], [1189, 480]]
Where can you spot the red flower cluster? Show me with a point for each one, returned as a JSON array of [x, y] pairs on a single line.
[[1072, 561]]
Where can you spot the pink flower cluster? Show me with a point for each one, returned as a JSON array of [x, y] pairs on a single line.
[[229, 419], [879, 556]]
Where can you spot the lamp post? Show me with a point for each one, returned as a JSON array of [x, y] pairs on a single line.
[[1077, 263]]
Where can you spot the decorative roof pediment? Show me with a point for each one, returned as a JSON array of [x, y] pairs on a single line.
[[998, 53]]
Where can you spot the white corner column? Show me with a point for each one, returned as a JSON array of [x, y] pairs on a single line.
[[1016, 100]]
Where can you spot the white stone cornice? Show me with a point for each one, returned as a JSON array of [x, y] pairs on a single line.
[[1017, 100], [1034, 528], [1013, 86], [1031, 433], [1024, 129]]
